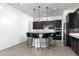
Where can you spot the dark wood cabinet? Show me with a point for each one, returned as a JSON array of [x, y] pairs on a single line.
[[58, 38], [70, 20], [72, 26], [67, 26], [78, 47], [58, 26], [68, 41], [41, 24], [78, 22], [72, 41], [37, 25], [51, 24], [75, 44], [57, 23], [73, 20]]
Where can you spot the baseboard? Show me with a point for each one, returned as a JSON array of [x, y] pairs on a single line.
[[13, 44]]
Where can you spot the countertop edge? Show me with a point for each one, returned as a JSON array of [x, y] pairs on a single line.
[[76, 35]]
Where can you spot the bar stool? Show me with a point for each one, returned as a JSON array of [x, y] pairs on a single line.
[[45, 36], [52, 35], [35, 37], [29, 40]]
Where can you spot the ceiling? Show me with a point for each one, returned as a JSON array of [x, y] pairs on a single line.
[[54, 9]]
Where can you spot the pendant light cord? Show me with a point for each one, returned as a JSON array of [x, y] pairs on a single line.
[[39, 12], [47, 13], [33, 14]]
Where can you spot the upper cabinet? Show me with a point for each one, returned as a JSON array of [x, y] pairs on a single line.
[[37, 25], [50, 24], [73, 21], [77, 12], [57, 23], [42, 24]]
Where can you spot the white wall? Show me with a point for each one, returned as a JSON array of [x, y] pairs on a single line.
[[13, 26]]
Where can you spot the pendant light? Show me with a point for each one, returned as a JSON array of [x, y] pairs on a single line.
[[47, 12], [39, 24], [39, 16], [33, 14], [39, 12]]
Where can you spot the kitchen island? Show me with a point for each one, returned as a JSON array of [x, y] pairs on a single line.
[[41, 42]]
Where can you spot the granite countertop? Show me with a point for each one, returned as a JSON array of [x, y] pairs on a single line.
[[76, 35], [43, 31]]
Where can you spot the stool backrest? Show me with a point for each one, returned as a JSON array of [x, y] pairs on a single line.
[[28, 34], [45, 35], [35, 35]]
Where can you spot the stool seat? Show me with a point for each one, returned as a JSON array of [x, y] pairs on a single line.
[[28, 34], [35, 35], [46, 35]]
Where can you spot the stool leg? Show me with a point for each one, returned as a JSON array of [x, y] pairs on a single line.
[[49, 43], [31, 42]]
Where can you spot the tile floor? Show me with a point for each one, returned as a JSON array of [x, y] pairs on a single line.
[[23, 50]]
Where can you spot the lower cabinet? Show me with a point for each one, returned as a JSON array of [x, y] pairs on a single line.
[[68, 41], [78, 47], [58, 38], [75, 44]]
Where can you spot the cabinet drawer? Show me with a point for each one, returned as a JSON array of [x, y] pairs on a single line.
[[75, 45], [58, 38], [72, 43]]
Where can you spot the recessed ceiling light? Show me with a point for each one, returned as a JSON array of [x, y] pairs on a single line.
[[21, 3], [54, 8], [1, 7]]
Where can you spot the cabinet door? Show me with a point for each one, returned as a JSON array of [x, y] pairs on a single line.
[[57, 23], [75, 21], [70, 17], [68, 40], [58, 38], [37, 25], [77, 47], [72, 43], [34, 25], [78, 23]]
